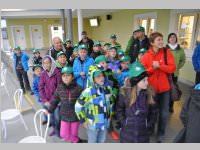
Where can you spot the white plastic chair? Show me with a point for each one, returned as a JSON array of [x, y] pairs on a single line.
[[11, 116], [40, 137], [3, 80]]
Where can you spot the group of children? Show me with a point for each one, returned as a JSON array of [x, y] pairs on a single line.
[[80, 89]]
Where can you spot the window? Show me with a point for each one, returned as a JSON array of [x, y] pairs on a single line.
[[148, 21], [186, 30]]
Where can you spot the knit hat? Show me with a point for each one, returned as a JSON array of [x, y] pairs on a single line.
[[83, 46], [97, 43], [36, 51], [35, 66], [99, 59], [113, 36], [137, 72], [61, 53], [67, 70], [17, 48], [125, 58]]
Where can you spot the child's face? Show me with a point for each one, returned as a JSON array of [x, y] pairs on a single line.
[[67, 78], [37, 71], [37, 54], [17, 52], [100, 79], [125, 64], [143, 83], [105, 48], [96, 48], [47, 64], [158, 42], [62, 59], [103, 64], [68, 44], [112, 53], [82, 54]]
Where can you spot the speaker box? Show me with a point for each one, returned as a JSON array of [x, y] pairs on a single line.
[[108, 17]]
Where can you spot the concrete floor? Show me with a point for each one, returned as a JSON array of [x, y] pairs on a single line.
[[15, 132]]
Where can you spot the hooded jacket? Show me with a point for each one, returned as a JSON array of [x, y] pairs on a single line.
[[179, 57], [66, 95], [49, 81], [53, 52], [79, 67], [95, 105], [159, 75]]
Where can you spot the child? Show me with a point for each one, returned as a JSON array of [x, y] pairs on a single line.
[[136, 109], [37, 59], [123, 73], [66, 94], [20, 60], [120, 53], [49, 80], [37, 69], [61, 60], [81, 66], [96, 50], [74, 55], [68, 47], [141, 53], [113, 62], [94, 107]]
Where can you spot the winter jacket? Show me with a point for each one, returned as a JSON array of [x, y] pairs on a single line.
[[121, 77], [49, 82], [179, 57], [89, 44], [159, 75], [95, 105], [37, 60], [128, 47], [68, 52], [136, 46], [136, 120], [79, 67], [66, 96], [196, 58], [53, 52], [191, 119], [95, 54], [24, 60]]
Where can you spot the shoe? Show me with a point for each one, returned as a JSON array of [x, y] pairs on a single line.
[[115, 135], [82, 141], [160, 139], [32, 93], [44, 122], [52, 133]]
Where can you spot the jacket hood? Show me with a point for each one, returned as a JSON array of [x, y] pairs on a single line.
[[53, 65], [177, 47]]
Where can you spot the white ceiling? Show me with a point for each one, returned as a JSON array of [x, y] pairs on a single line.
[[51, 13]]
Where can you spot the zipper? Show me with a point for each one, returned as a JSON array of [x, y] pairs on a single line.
[[146, 122], [82, 66]]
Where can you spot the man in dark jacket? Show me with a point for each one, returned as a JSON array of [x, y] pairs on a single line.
[[56, 47], [37, 59], [142, 41], [96, 50], [87, 41], [69, 48]]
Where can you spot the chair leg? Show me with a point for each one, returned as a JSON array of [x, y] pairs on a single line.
[[23, 122], [4, 128]]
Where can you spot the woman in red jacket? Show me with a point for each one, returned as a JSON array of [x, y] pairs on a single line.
[[158, 71]]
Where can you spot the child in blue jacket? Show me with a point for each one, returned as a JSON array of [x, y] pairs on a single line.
[[196, 62], [81, 66], [123, 73], [37, 69]]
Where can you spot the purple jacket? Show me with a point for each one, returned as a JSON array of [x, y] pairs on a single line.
[[49, 82]]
